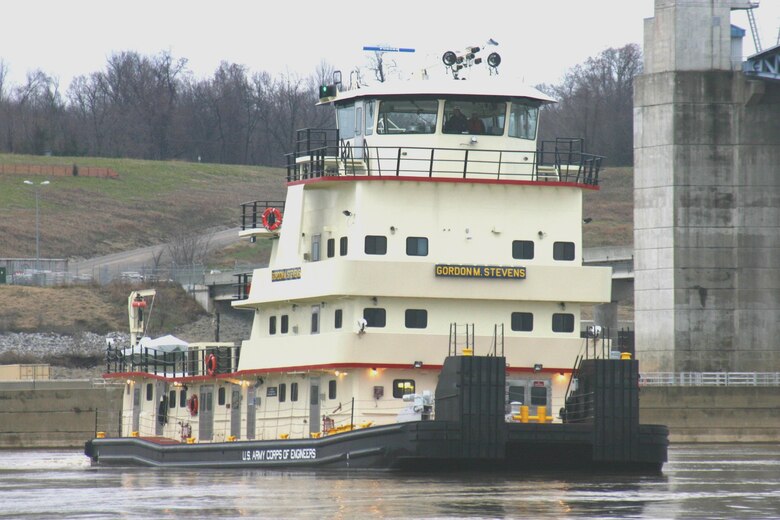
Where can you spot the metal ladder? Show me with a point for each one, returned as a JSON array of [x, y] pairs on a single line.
[[754, 29]]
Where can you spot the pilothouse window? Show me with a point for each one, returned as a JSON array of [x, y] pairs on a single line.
[[346, 118], [522, 120], [474, 117], [407, 116]]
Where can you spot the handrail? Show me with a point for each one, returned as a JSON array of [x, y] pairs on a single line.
[[252, 212], [709, 379], [561, 165], [172, 364]]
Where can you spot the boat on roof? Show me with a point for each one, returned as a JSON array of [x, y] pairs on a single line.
[[420, 310]]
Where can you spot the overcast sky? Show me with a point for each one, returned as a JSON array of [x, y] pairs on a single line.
[[538, 40]]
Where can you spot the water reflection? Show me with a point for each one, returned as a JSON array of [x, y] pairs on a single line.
[[726, 481]]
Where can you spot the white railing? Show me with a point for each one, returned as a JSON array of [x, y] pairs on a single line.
[[709, 379]]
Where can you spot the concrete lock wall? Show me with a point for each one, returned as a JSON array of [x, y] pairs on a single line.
[[713, 414], [707, 199], [56, 414]]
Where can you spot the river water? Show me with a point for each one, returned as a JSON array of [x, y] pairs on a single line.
[[699, 481]]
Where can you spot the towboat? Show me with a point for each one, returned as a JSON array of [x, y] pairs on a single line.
[[420, 310]]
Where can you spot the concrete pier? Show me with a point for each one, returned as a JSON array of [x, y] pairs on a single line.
[[707, 197]]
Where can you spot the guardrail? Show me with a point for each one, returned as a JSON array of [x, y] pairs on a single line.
[[206, 361], [709, 379]]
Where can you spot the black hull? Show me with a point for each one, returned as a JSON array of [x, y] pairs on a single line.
[[427, 446]]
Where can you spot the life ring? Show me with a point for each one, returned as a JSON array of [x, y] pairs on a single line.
[[192, 405], [272, 219], [211, 364]]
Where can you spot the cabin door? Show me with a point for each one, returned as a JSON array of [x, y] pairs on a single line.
[[357, 150], [161, 416], [206, 413], [250, 412], [235, 411], [136, 407], [314, 405]]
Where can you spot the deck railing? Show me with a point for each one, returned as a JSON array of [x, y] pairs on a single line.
[[709, 379], [561, 160], [172, 364], [252, 212]]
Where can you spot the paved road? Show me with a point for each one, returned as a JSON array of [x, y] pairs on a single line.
[[138, 259]]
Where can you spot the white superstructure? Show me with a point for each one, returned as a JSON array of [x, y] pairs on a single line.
[[406, 233]]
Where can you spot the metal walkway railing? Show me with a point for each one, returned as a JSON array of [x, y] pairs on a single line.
[[709, 379]]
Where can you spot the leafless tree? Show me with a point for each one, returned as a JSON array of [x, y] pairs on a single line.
[[595, 101]]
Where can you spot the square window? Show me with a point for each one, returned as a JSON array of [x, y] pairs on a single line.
[[343, 246], [416, 318], [402, 387], [376, 245], [517, 394], [331, 247], [417, 246], [563, 322], [522, 249], [338, 319], [522, 321], [375, 317], [538, 396], [563, 251]]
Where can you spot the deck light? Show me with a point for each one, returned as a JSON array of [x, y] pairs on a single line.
[[417, 364], [494, 59], [538, 367], [347, 213]]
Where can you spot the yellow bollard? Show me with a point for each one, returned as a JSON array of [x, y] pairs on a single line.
[[468, 352], [231, 438], [133, 434], [524, 414], [101, 435], [190, 440], [541, 413], [625, 355]]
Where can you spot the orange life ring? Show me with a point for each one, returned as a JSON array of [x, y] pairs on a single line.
[[211, 364], [192, 405], [272, 219]]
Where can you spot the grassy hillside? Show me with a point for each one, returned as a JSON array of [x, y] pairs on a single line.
[[150, 201], [70, 310], [611, 210]]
